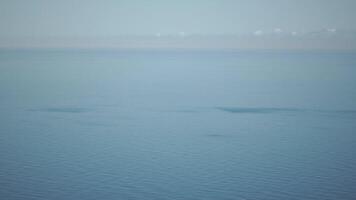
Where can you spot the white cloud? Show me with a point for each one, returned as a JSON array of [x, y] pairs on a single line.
[[331, 30], [182, 34], [277, 30], [258, 33]]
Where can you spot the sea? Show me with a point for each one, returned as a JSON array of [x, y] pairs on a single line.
[[155, 124]]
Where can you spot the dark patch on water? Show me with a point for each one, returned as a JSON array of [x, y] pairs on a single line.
[[183, 110], [96, 124], [257, 110], [344, 112], [61, 110], [187, 111], [270, 110], [338, 113], [215, 135]]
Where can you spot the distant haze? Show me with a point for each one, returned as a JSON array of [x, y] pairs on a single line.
[[274, 24]]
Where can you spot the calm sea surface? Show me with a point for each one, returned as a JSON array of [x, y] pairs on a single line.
[[177, 125]]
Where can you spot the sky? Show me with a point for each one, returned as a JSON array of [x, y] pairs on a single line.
[[38, 22]]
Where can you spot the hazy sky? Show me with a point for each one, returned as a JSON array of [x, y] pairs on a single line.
[[113, 17], [102, 18]]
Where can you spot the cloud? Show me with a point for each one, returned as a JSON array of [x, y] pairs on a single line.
[[277, 30], [258, 33], [331, 30]]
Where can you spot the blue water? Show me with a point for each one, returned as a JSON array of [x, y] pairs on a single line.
[[194, 125]]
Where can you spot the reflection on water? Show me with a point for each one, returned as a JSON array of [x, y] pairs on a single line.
[[177, 125]]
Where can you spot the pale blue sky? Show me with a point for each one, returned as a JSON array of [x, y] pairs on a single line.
[[102, 18]]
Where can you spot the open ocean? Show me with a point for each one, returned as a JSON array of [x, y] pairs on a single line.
[[195, 125]]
